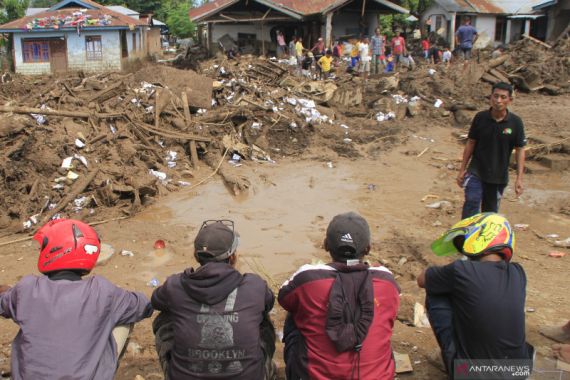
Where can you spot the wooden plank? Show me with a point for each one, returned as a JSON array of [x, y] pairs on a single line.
[[186, 108], [157, 109], [194, 154], [537, 41], [39, 111]]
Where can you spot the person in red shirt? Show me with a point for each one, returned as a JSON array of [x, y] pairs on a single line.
[[340, 315], [425, 48], [398, 49]]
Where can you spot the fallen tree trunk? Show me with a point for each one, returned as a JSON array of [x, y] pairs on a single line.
[[39, 111]]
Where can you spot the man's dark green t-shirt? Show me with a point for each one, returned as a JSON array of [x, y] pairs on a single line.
[[495, 142]]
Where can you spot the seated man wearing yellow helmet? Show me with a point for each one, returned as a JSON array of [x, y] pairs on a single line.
[[476, 306]]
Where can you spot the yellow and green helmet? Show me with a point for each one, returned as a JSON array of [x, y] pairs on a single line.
[[478, 235]]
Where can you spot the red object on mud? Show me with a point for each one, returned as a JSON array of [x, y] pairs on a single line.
[[159, 244]]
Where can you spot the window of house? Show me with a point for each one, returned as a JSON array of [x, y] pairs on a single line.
[[94, 48], [35, 51], [500, 29], [438, 22]]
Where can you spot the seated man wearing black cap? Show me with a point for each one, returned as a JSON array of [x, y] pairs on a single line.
[[341, 314], [214, 321]]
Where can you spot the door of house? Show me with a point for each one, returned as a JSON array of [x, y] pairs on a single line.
[[58, 55], [124, 46]]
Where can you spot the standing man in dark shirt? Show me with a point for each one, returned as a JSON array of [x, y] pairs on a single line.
[[215, 321], [493, 136], [476, 306]]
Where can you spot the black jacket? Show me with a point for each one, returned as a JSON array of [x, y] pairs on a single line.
[[216, 313]]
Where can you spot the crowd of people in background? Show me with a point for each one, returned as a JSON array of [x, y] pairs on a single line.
[[374, 55]]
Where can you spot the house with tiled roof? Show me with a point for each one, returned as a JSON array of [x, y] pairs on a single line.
[[497, 21], [75, 35], [253, 23]]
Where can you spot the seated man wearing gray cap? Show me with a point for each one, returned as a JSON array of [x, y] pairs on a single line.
[[214, 321], [341, 314]]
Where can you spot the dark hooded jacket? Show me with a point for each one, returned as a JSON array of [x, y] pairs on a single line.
[[216, 313]]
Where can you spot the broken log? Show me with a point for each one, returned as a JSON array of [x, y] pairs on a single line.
[[171, 134], [194, 154], [79, 187], [499, 75], [498, 61], [106, 93], [186, 108], [39, 111], [537, 41]]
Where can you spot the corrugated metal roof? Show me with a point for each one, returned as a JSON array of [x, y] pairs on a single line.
[[209, 8], [489, 6], [117, 19], [123, 10], [294, 7]]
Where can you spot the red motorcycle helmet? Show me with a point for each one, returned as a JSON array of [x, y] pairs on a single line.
[[67, 244]]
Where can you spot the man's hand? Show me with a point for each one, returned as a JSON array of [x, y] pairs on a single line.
[[4, 288], [519, 188], [461, 178]]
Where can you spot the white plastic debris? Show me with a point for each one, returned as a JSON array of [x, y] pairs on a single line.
[[80, 144], [80, 202], [183, 183], [347, 140], [66, 164], [201, 111], [440, 204], [563, 243], [399, 99], [307, 103], [438, 103], [124, 252], [256, 125], [72, 175], [381, 116], [431, 71], [160, 175], [344, 126], [330, 165]]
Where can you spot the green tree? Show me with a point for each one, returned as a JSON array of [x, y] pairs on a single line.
[[393, 22], [43, 3], [12, 10], [178, 21]]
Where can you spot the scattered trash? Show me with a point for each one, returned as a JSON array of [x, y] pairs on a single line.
[[380, 116], [160, 175], [431, 71], [563, 243], [159, 244], [557, 254], [530, 310], [330, 164], [521, 227], [153, 283], [403, 363], [438, 103], [440, 204], [80, 144], [107, 251], [371, 187], [552, 236], [437, 223], [127, 253], [420, 316], [402, 261]]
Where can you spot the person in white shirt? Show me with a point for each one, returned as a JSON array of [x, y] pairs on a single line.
[[364, 51]]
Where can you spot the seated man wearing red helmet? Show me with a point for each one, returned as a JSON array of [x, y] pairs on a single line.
[[66, 321], [476, 306]]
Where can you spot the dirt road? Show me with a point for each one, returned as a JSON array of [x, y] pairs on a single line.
[[283, 218]]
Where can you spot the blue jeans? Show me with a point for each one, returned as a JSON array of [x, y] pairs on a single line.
[[440, 315], [480, 196]]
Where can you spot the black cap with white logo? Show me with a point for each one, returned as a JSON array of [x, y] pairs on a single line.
[[348, 236]]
